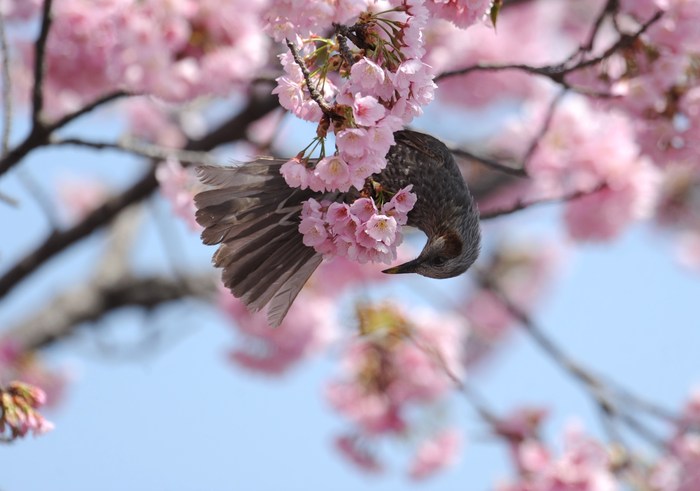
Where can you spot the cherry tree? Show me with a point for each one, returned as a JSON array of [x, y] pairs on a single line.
[[595, 109]]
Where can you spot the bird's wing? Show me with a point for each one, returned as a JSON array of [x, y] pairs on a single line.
[[253, 214]]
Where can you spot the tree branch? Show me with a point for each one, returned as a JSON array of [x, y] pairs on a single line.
[[522, 205], [142, 149], [91, 301], [490, 163], [40, 134], [609, 397], [313, 92], [557, 72], [231, 130], [40, 63]]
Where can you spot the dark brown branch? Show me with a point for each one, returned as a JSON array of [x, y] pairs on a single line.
[[610, 7], [231, 130], [542, 340], [40, 133], [522, 205], [93, 300], [59, 240], [557, 72], [40, 63], [313, 92]]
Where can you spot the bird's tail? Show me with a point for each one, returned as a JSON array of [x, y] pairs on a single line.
[[253, 214]]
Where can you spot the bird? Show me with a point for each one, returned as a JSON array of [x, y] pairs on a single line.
[[253, 215]]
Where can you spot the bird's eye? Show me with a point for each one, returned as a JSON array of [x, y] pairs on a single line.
[[439, 260]]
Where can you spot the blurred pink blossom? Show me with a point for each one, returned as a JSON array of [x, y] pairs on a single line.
[[583, 149], [80, 196], [436, 453], [308, 327], [583, 465], [350, 447]]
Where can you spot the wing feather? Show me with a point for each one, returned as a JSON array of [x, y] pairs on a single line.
[[252, 213]]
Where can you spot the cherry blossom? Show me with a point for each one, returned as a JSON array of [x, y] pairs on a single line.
[[18, 411], [395, 367]]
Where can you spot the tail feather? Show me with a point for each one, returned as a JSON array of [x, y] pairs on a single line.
[[252, 214]]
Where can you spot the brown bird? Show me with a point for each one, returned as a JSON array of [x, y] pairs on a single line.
[[254, 215]]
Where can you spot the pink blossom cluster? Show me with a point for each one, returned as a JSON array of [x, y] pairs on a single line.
[[584, 464], [310, 325], [18, 411], [16, 364], [359, 231], [402, 362], [371, 96], [13, 10], [657, 78], [371, 93], [175, 49], [584, 149], [679, 469]]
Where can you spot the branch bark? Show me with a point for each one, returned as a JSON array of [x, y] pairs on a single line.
[[93, 300], [232, 130]]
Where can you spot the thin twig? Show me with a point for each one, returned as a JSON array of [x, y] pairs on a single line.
[[608, 396], [544, 129], [522, 205], [342, 35], [557, 72], [642, 430], [8, 199], [610, 7], [6, 91], [491, 163], [40, 63], [310, 86], [470, 394], [43, 200], [90, 106], [40, 134], [624, 41], [141, 149], [229, 131], [547, 345], [174, 252]]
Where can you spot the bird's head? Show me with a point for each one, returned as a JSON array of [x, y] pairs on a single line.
[[447, 253]]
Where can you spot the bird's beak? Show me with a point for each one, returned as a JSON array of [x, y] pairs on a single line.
[[409, 267]]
